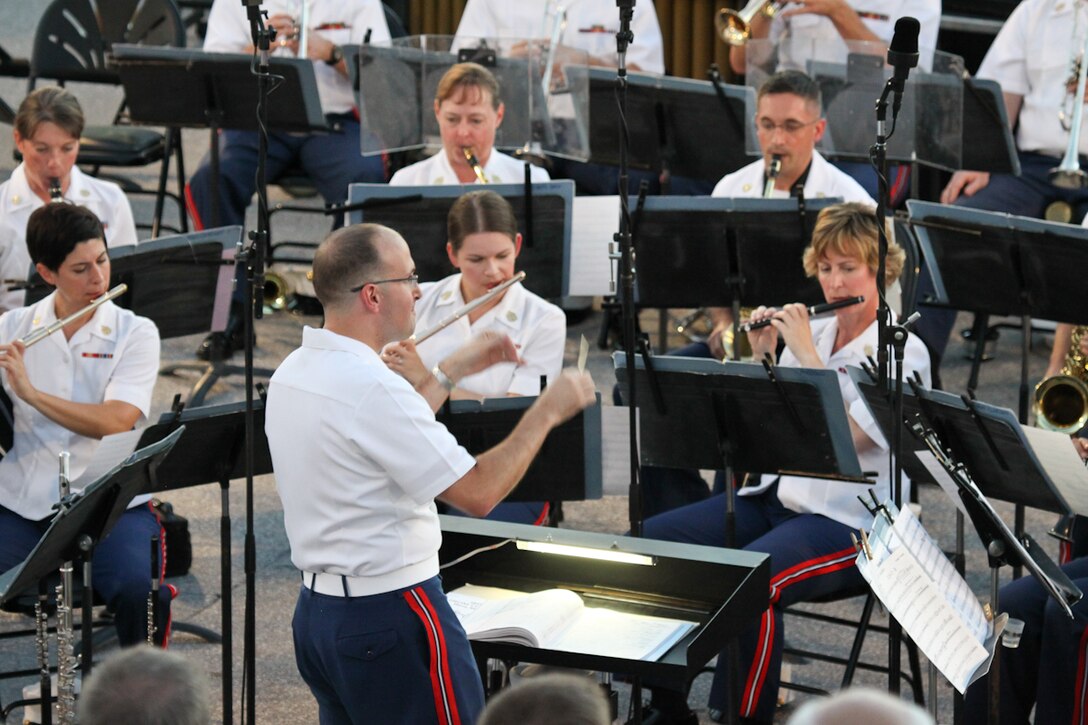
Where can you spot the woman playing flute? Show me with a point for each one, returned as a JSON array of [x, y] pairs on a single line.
[[484, 243], [804, 523]]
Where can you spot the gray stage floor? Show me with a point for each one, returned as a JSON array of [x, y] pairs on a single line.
[[281, 695]]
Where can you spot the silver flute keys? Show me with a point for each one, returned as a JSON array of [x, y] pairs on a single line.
[[67, 661]]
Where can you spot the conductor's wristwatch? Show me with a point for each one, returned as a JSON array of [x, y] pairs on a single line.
[[335, 56]]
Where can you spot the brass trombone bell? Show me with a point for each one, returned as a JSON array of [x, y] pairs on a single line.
[[734, 27]]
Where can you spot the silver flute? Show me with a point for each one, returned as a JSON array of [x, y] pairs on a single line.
[[457, 315], [67, 660]]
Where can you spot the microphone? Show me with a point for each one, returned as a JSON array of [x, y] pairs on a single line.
[[902, 56]]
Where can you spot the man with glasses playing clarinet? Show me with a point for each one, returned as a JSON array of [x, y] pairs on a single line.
[[91, 378]]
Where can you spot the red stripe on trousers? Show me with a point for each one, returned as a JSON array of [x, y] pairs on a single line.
[[1080, 700], [190, 205], [757, 672], [441, 686]]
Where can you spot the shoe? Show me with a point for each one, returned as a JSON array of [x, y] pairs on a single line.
[[221, 345]]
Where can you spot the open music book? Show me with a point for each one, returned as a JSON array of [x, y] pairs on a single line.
[[921, 588], [557, 619]]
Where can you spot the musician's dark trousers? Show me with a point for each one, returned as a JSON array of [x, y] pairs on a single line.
[[396, 657], [122, 567], [1048, 669], [811, 557]]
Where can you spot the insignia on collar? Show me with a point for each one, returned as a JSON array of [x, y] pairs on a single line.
[[16, 199], [446, 295], [868, 351], [106, 329], [439, 180], [820, 195], [746, 188], [36, 321], [511, 316], [84, 192]]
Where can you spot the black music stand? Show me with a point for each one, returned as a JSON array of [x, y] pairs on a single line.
[[719, 416], [210, 451], [568, 467], [990, 146], [723, 590], [84, 519], [680, 112], [419, 213]]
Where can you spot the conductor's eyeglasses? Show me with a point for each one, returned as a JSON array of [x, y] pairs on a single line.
[[412, 280], [790, 127]]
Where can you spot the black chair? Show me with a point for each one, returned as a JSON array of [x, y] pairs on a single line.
[[72, 43]]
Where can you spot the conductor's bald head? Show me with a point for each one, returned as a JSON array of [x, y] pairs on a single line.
[[347, 258]]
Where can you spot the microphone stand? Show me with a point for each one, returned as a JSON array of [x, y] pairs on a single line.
[[253, 258]]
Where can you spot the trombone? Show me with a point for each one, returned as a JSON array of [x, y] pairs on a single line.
[[1068, 174], [734, 27]]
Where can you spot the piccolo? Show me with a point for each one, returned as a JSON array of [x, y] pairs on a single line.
[[470, 157], [481, 300], [43, 332], [812, 310]]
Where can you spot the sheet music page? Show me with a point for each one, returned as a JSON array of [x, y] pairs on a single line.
[[910, 532], [905, 589], [622, 634], [594, 220], [616, 450], [1062, 464], [495, 613], [942, 478], [112, 449]]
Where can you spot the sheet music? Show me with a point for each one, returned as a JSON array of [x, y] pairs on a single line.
[[112, 450], [942, 478], [615, 450], [595, 219], [1062, 464]]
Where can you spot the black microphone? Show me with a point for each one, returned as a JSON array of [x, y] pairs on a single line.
[[903, 51]]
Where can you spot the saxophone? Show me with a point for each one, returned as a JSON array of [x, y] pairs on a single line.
[[67, 660], [1061, 401]]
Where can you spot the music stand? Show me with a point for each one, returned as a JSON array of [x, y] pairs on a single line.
[[211, 451], [83, 520], [723, 590], [568, 467], [683, 111], [419, 214], [719, 416], [991, 146]]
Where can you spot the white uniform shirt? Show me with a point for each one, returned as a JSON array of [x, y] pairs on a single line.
[[823, 181], [591, 26], [1031, 58], [359, 459], [838, 500], [436, 171], [538, 327], [801, 38], [115, 356], [343, 22], [18, 202]]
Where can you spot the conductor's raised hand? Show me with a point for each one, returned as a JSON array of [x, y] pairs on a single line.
[[567, 395]]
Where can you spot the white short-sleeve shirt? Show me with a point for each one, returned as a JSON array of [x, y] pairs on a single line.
[[115, 356], [358, 458], [805, 37], [436, 171], [343, 22], [538, 327], [591, 26], [838, 500], [18, 202], [823, 181], [1031, 58]]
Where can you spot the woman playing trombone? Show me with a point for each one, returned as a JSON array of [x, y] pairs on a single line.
[[484, 243], [804, 523], [92, 378]]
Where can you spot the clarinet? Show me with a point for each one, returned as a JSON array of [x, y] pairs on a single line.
[[153, 595], [67, 661]]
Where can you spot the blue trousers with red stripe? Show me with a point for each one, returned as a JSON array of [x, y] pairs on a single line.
[[1048, 669], [121, 570], [400, 656], [811, 557]]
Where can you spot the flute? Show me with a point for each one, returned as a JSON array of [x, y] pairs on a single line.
[[812, 310], [43, 332], [481, 300], [470, 157]]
